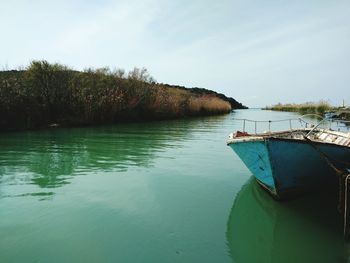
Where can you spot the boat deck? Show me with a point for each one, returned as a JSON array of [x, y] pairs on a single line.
[[334, 137], [319, 135]]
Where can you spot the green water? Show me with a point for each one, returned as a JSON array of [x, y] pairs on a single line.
[[155, 192]]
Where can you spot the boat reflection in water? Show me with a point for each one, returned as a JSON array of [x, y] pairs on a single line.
[[308, 229]]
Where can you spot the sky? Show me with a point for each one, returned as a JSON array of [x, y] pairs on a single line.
[[258, 52]]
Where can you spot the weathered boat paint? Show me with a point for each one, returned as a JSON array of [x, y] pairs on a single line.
[[287, 166], [256, 157]]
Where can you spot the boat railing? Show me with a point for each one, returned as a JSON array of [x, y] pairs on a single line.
[[333, 123], [302, 123]]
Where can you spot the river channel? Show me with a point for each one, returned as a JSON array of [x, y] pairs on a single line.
[[168, 191]]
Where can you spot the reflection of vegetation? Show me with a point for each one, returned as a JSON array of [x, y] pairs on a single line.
[[40, 195], [52, 94], [49, 158], [261, 229]]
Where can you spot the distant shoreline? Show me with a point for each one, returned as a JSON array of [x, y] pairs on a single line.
[[303, 108], [319, 108]]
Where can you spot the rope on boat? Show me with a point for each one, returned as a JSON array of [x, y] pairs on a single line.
[[345, 205], [328, 158], [343, 176]]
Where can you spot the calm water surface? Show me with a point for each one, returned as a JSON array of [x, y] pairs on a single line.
[[155, 192]]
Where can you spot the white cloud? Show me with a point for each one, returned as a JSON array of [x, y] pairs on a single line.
[[241, 48]]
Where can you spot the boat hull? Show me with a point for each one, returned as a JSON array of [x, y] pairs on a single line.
[[287, 167]]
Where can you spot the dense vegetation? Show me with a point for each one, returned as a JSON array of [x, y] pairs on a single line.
[[304, 108], [47, 94]]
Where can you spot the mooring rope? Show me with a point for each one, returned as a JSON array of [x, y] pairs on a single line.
[[340, 174], [345, 203], [337, 171]]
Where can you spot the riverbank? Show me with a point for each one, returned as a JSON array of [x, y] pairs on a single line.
[[45, 95], [303, 108]]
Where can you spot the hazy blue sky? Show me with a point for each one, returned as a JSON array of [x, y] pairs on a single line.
[[259, 52]]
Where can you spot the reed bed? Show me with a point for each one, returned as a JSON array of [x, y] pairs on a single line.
[[304, 108], [44, 94]]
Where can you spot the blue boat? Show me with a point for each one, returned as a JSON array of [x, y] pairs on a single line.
[[287, 163]]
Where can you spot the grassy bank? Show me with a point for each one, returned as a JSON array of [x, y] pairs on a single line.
[[45, 94], [304, 108]]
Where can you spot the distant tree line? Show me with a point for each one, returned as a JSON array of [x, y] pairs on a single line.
[[52, 94], [303, 108]]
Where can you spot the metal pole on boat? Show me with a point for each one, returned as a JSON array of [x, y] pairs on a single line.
[[244, 125], [269, 126], [315, 127], [255, 126], [290, 123], [345, 212]]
